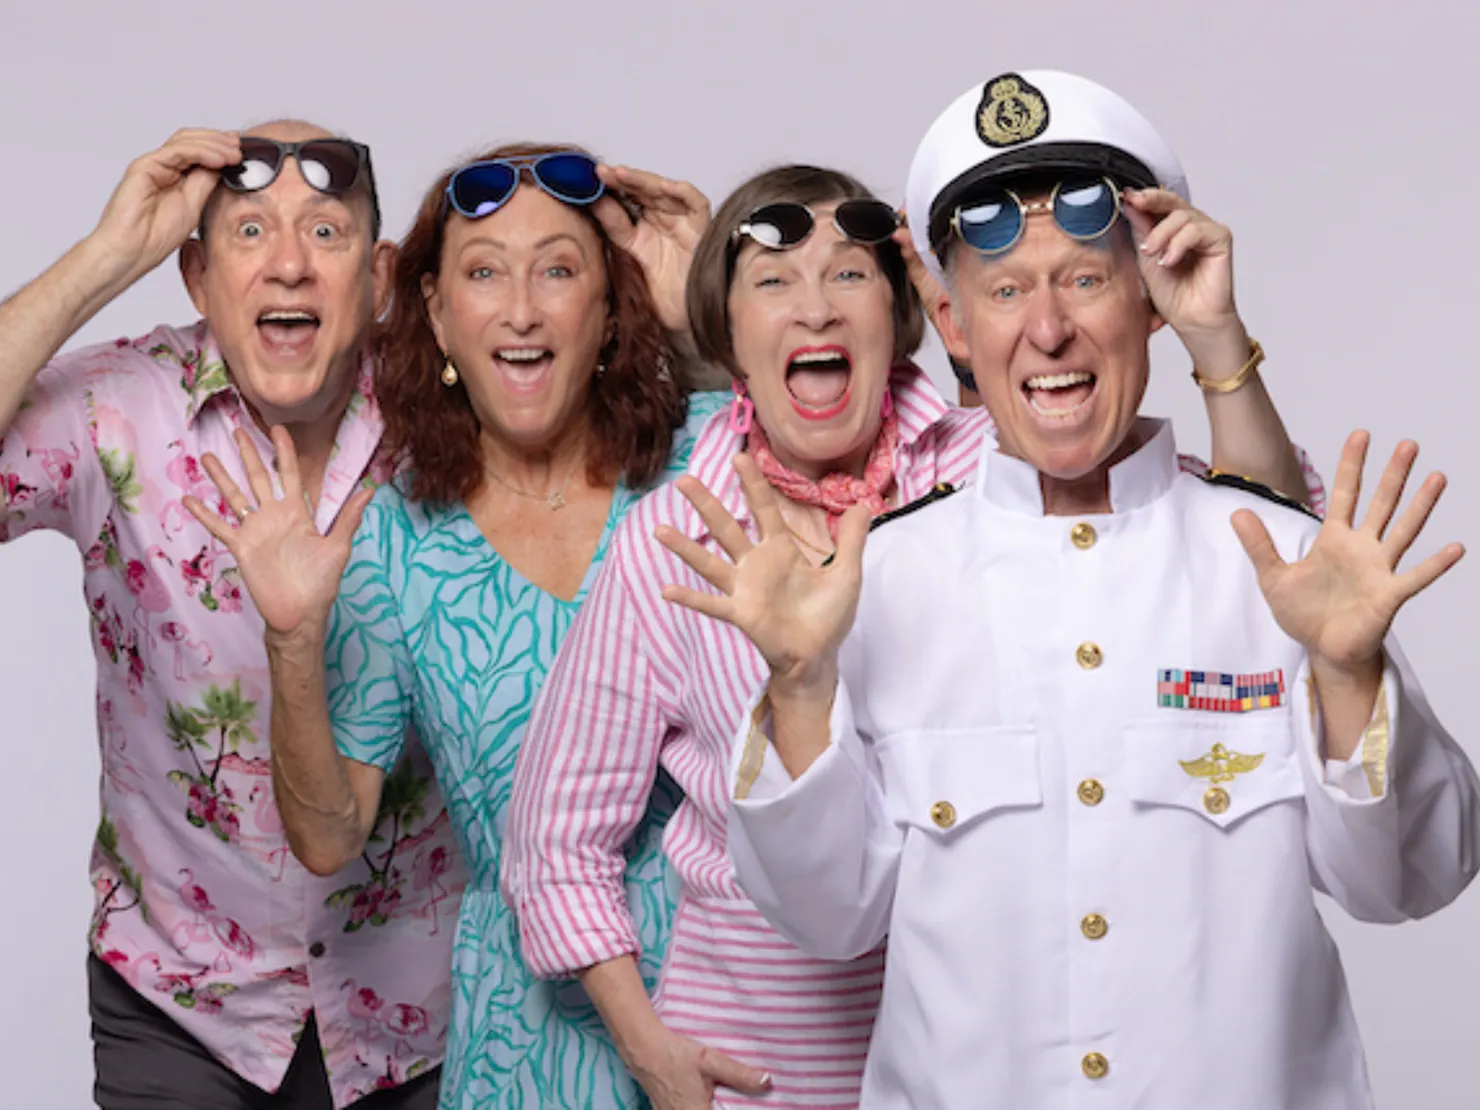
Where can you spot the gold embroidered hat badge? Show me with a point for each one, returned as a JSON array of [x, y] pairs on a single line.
[[1012, 111]]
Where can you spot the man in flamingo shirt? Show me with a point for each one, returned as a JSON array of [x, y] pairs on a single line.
[[221, 969]]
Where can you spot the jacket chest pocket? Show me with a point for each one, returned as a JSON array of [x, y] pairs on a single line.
[[1221, 768], [945, 782]]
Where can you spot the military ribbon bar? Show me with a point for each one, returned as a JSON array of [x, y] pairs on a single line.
[[1219, 691]]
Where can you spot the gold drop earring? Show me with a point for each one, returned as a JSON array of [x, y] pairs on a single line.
[[449, 373]]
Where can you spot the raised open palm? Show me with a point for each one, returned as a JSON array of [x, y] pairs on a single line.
[[290, 569], [1340, 600], [795, 613]]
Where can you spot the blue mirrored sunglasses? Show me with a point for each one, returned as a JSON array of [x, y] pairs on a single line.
[[482, 188], [1083, 208]]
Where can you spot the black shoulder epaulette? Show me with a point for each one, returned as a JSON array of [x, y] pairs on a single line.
[[1258, 489], [939, 492]]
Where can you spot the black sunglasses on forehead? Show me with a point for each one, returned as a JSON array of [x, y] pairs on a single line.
[[785, 224], [331, 166]]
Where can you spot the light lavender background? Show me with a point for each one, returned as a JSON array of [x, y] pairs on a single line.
[[1332, 137]]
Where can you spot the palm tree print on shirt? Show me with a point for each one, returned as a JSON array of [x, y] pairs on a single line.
[[222, 722], [403, 804], [118, 468], [126, 886]]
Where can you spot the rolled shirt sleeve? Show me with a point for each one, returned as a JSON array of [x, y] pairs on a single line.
[[1394, 832], [584, 780]]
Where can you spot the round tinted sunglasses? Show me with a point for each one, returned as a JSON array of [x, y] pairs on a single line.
[[1084, 209], [786, 224], [482, 188], [331, 166]]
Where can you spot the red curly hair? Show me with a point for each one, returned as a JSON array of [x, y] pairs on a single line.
[[431, 432]]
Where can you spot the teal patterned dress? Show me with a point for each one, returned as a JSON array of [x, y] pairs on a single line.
[[433, 629]]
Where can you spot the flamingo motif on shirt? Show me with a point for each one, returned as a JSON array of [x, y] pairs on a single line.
[[209, 923], [403, 1020], [270, 829], [184, 472]]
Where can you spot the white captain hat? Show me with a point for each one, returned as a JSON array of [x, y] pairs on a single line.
[[1029, 122]]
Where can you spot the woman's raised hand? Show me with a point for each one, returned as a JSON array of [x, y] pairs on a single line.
[[660, 226], [795, 613]]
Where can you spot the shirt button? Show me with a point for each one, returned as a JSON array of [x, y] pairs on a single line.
[[1215, 801], [1091, 793], [1095, 1066], [1094, 926], [1082, 536], [943, 814], [316, 949], [1089, 656]]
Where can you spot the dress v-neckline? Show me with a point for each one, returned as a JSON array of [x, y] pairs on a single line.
[[462, 518]]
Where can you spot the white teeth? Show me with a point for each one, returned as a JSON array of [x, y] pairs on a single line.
[[1060, 381], [288, 318], [807, 357], [1057, 413], [522, 354]]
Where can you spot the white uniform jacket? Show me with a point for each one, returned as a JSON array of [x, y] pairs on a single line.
[[1074, 778]]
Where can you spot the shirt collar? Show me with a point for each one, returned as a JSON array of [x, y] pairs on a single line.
[[1136, 481], [202, 369], [917, 405]]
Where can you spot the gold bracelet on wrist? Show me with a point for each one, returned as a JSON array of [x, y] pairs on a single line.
[[1228, 385]]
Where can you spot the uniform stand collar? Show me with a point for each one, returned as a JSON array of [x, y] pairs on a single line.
[[1138, 480]]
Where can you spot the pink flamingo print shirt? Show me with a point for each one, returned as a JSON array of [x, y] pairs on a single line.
[[200, 906]]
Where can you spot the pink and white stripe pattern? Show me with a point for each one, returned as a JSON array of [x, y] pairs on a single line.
[[639, 684]]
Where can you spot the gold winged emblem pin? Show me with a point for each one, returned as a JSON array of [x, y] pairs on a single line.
[[1221, 765]]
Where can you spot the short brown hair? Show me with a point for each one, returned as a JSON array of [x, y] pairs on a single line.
[[708, 293], [634, 406]]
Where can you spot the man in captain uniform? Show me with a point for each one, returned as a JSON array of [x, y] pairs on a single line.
[[1080, 749]]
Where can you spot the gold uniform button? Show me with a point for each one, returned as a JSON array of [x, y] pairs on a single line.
[[1216, 800], [1094, 926], [943, 814], [1082, 536], [1089, 656], [1095, 1066], [1091, 793]]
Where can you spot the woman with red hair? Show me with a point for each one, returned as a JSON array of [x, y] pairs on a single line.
[[530, 396]]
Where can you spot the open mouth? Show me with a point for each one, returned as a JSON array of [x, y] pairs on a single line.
[[819, 380], [523, 367], [288, 330], [1059, 396]]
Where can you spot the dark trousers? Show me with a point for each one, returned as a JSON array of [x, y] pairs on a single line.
[[147, 1062]]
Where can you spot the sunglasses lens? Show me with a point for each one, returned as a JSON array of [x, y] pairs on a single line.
[[1085, 209], [780, 225], [571, 177], [330, 166], [866, 221], [992, 225], [481, 188], [257, 169]]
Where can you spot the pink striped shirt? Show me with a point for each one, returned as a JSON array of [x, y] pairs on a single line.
[[641, 684]]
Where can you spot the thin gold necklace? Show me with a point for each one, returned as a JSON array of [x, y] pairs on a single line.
[[555, 498], [826, 554]]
